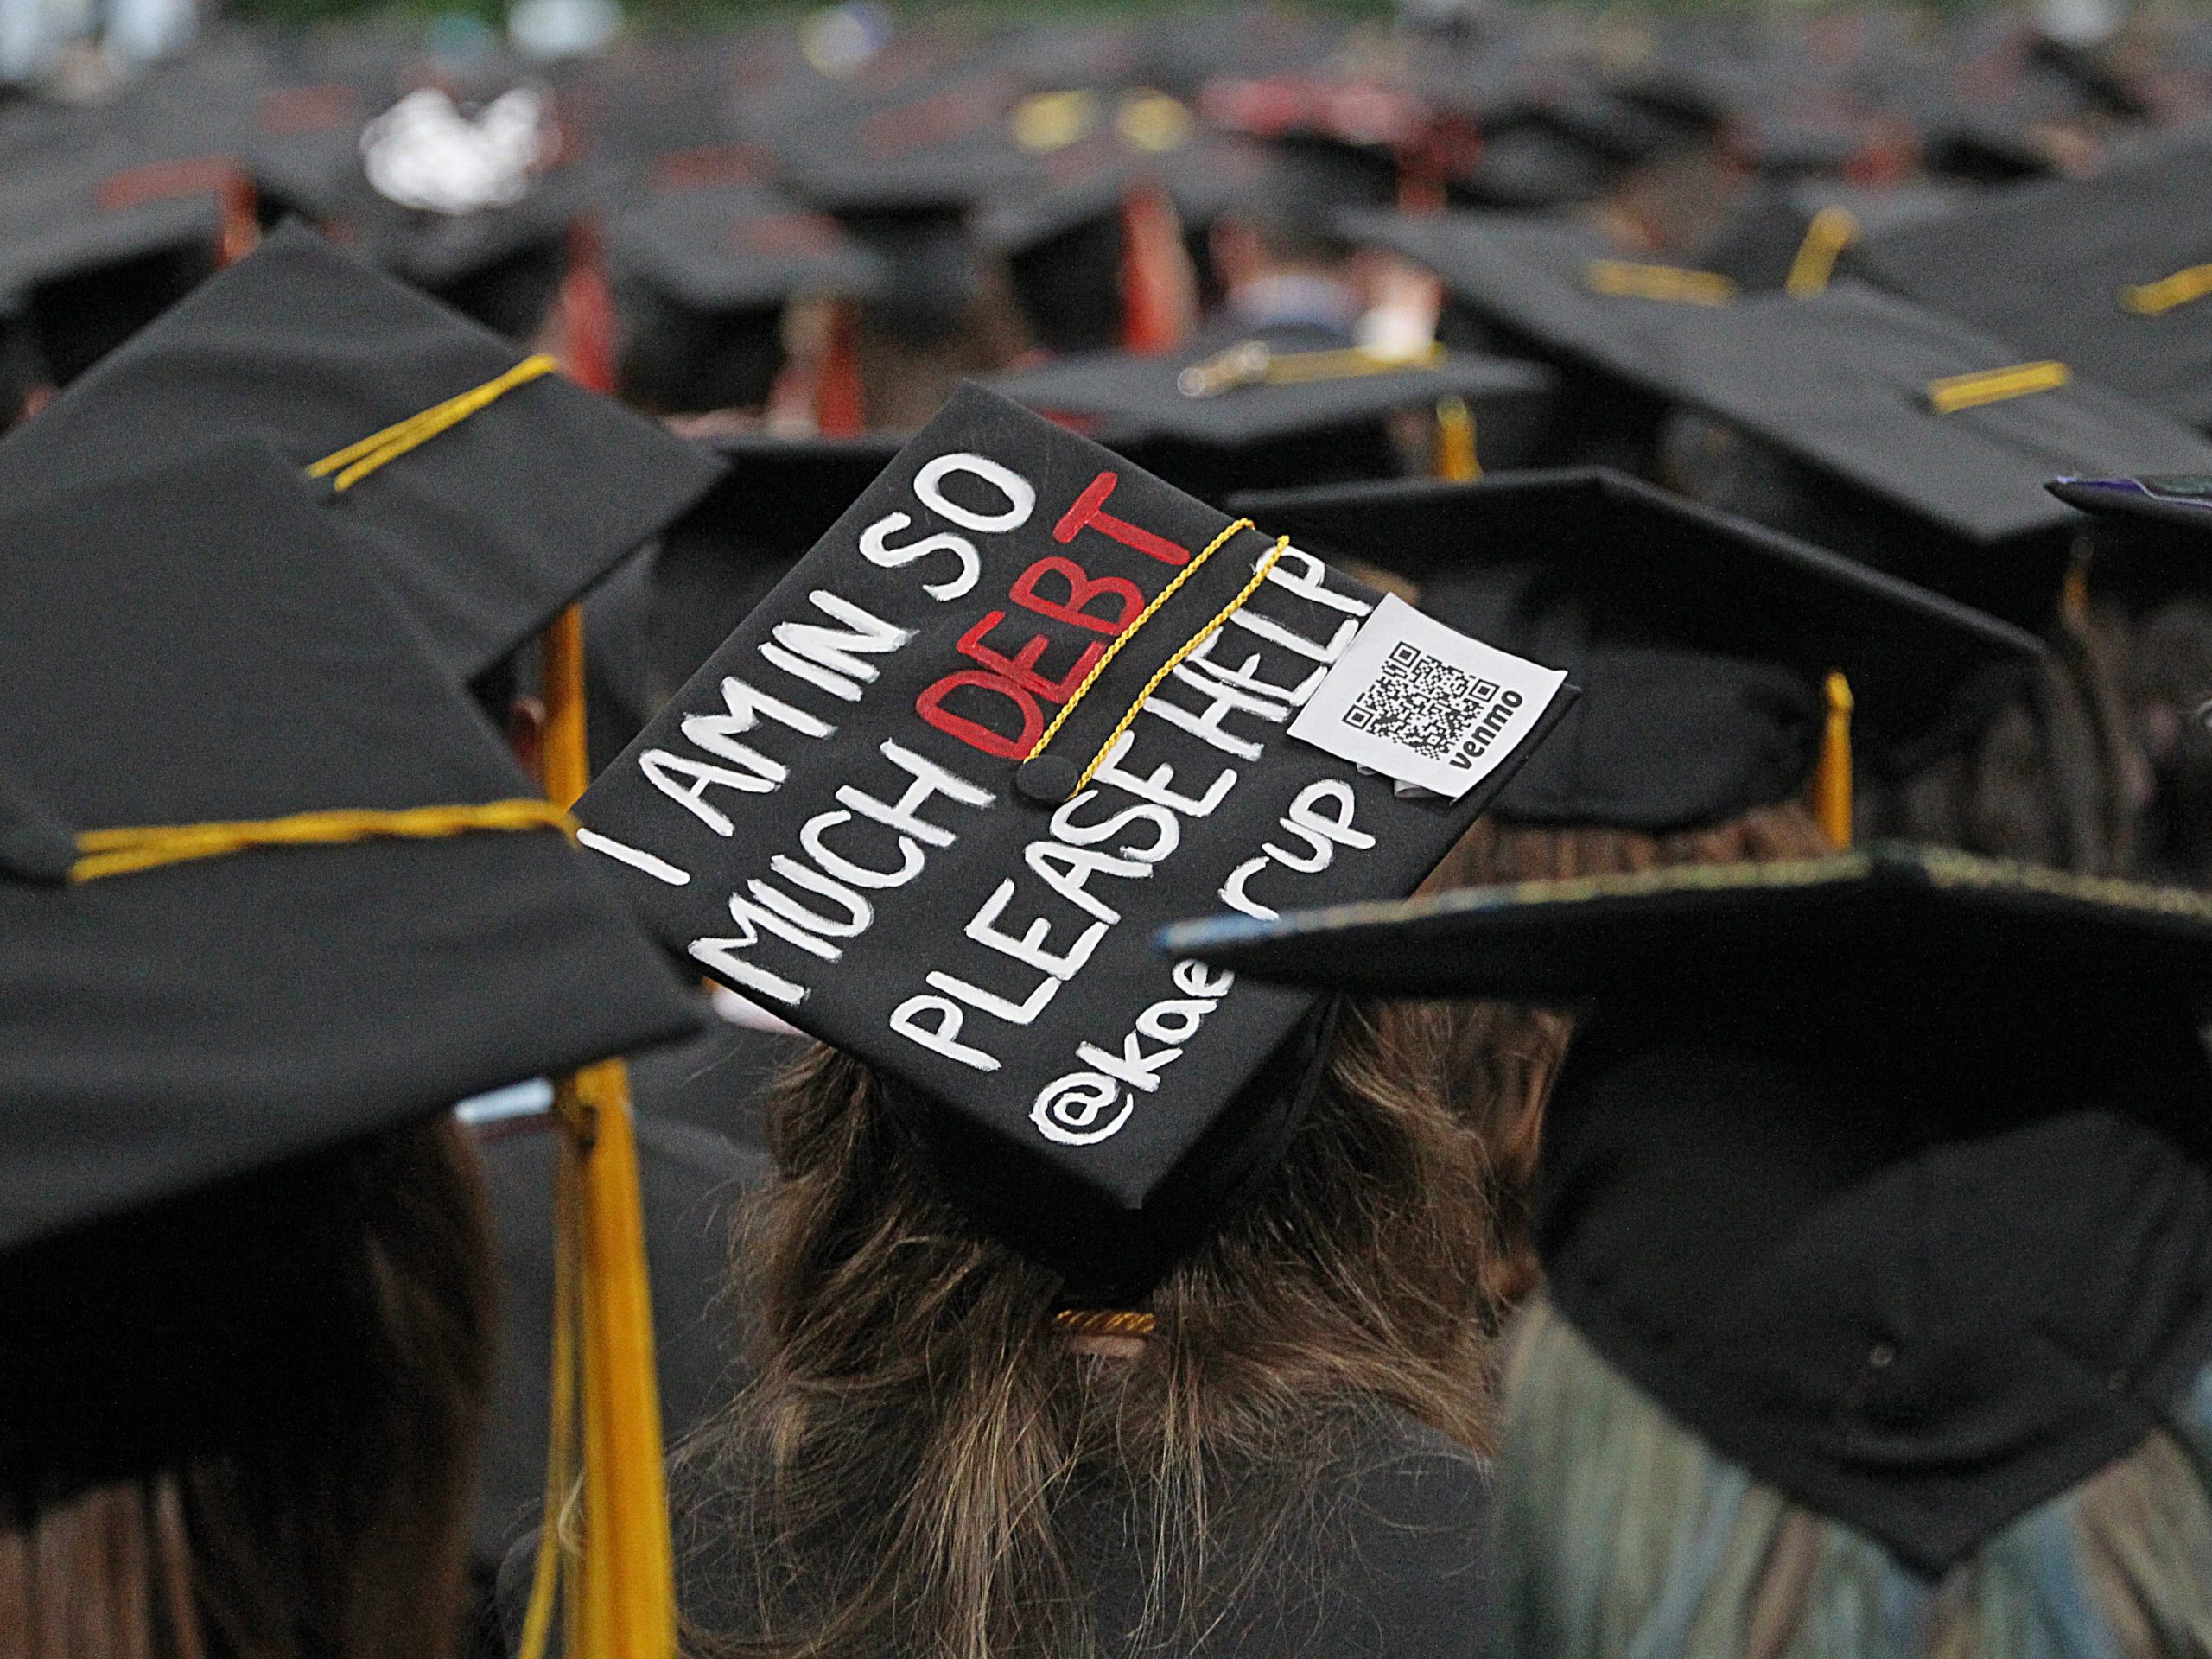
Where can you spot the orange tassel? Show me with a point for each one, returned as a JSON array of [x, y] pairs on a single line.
[[838, 405], [1831, 780], [587, 312]]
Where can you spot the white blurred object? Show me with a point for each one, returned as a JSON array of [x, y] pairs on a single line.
[[545, 29], [2078, 22], [34, 33], [140, 31], [530, 1098], [422, 152], [743, 1011], [839, 40]]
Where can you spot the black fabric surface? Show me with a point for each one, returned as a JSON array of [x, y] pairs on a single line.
[[695, 1184], [161, 1029], [2041, 264], [483, 532], [1920, 1297], [1397, 1563]]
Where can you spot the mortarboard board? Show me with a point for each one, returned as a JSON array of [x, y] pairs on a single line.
[[1791, 235], [2106, 273], [1702, 643], [1865, 1217], [1281, 404], [889, 809], [1899, 411], [169, 1026], [701, 276], [486, 529]]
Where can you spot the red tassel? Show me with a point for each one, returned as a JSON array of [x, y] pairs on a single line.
[[1159, 288], [241, 231], [587, 313], [838, 406]]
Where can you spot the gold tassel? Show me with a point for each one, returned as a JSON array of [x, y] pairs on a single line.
[[2073, 594], [1830, 232], [615, 1568], [1455, 441], [1831, 780]]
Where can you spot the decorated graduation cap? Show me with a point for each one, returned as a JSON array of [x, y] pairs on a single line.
[[494, 490], [1719, 661], [1021, 698], [702, 277], [1865, 1217], [2110, 275], [1282, 405], [344, 909]]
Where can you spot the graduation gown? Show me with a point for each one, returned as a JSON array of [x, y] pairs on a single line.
[[1396, 1564]]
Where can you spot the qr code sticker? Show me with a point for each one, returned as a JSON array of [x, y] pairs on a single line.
[[1423, 703]]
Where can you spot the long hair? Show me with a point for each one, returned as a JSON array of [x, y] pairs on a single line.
[[250, 1426], [897, 1476], [1621, 1533], [1501, 1056]]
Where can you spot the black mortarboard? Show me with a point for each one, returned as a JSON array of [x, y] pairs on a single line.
[[1886, 1174], [1701, 642], [473, 205], [846, 816], [1792, 234], [1285, 405], [485, 531], [2110, 274], [1554, 289], [164, 1028], [1926, 444], [702, 277]]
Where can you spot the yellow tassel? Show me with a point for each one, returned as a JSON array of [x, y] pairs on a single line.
[[2073, 594], [1831, 781], [1956, 391], [1455, 441], [1832, 230], [617, 1597], [2153, 299], [1627, 279]]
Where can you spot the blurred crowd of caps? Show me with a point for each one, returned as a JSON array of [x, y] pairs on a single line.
[[713, 176]]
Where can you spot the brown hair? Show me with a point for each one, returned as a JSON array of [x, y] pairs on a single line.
[[895, 1479], [1501, 1056], [253, 1426]]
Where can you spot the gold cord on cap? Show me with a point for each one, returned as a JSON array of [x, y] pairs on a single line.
[[1956, 391], [1105, 1322], [146, 847], [1626, 279], [1455, 441], [1259, 576], [1255, 363], [357, 461], [1832, 779], [1832, 230], [2151, 299]]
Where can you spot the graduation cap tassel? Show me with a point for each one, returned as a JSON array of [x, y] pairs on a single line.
[[587, 310], [1832, 778], [1158, 289], [1832, 230], [241, 231], [838, 411], [1455, 441], [619, 1600]]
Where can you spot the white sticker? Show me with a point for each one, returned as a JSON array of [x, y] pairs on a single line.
[[424, 153], [1424, 704]]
